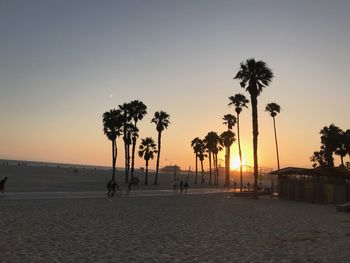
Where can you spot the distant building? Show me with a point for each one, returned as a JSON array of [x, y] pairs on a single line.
[[170, 169]]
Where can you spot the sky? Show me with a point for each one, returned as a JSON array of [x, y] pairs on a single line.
[[64, 63]]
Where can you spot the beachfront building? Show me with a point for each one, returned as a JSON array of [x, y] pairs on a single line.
[[319, 185]]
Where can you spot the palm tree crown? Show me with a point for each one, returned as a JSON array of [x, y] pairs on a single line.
[[254, 76], [112, 124], [229, 120], [273, 109], [239, 101], [161, 119]]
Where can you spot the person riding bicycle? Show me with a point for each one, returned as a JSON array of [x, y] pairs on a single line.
[[111, 185]]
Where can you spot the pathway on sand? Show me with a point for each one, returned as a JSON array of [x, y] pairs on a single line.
[[102, 194]]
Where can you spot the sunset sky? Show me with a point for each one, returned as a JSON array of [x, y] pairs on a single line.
[[64, 63]]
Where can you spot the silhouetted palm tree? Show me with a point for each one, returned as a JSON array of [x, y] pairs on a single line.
[[125, 110], [147, 149], [273, 109], [131, 134], [318, 159], [330, 139], [201, 156], [229, 120], [347, 141], [112, 124], [240, 102], [137, 111], [195, 144], [161, 119], [227, 137], [341, 148], [212, 145], [254, 76]]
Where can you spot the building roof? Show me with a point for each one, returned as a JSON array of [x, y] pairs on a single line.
[[320, 171]]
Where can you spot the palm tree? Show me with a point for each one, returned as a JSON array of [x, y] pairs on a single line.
[[229, 120], [195, 144], [112, 129], [201, 156], [211, 141], [240, 102], [254, 76], [147, 149], [273, 109], [161, 119], [227, 137], [131, 134], [318, 159], [341, 148], [137, 111], [330, 139], [126, 118]]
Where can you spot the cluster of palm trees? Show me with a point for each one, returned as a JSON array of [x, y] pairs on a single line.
[[253, 76], [333, 140], [123, 122]]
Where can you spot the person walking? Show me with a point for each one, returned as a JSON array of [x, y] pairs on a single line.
[[186, 186], [181, 186], [2, 185]]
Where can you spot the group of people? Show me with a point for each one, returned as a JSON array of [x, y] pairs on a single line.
[[183, 186]]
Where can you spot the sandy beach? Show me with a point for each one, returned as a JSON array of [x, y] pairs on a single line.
[[193, 228], [153, 225]]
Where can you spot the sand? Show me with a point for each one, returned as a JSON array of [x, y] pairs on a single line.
[[152, 227], [193, 228]]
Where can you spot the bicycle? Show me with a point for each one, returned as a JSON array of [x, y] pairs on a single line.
[[115, 192]]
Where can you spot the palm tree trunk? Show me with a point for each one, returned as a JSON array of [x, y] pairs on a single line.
[[133, 157], [202, 179], [254, 101], [278, 157], [133, 154], [217, 169], [195, 180], [209, 168], [146, 176], [240, 154], [113, 159], [228, 166], [158, 157], [128, 162], [342, 160]]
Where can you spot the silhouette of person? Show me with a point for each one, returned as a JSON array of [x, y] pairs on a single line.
[[111, 187], [129, 188], [2, 184], [248, 186], [181, 186], [186, 186], [175, 184]]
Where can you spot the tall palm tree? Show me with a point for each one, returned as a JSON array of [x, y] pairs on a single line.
[[137, 111], [161, 119], [330, 139], [239, 101], [254, 76], [195, 144], [201, 156], [126, 118], [227, 137], [131, 132], [229, 120], [147, 149], [273, 109], [211, 141], [112, 124]]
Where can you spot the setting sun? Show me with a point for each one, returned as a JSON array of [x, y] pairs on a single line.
[[235, 163]]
